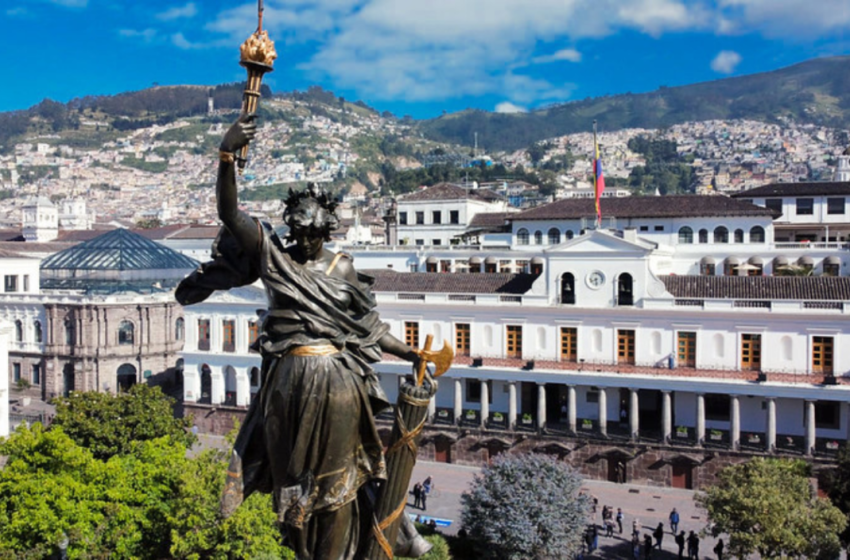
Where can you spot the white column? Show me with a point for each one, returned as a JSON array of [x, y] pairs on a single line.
[[571, 408], [458, 400], [485, 403], [603, 411], [432, 408], [243, 388], [191, 383], [511, 405], [770, 444], [700, 418], [666, 416], [217, 391], [810, 426], [541, 406], [634, 414], [735, 424]]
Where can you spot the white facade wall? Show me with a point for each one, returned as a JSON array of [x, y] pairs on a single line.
[[6, 334], [819, 213], [24, 274], [430, 233]]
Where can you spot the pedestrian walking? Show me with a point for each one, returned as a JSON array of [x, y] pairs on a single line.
[[680, 540], [588, 540], [636, 528], [693, 545], [647, 547], [674, 521], [609, 527], [426, 484], [718, 549], [635, 548], [659, 534], [594, 531], [423, 496], [620, 519]]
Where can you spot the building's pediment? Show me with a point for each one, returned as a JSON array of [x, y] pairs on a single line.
[[245, 294], [597, 242]]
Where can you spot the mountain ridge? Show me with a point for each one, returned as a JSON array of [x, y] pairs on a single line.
[[815, 91]]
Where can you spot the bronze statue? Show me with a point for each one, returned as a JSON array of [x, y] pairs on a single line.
[[310, 436]]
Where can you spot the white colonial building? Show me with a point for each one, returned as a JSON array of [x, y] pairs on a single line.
[[439, 215], [620, 349], [5, 336]]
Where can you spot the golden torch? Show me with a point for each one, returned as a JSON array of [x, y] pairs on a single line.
[[257, 55]]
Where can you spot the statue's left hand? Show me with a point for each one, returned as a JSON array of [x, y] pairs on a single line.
[[240, 133]]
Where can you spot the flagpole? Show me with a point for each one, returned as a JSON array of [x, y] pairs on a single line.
[[595, 176]]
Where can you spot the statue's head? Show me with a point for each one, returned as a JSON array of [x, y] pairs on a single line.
[[310, 214]]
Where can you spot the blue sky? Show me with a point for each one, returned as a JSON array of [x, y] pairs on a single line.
[[417, 57]]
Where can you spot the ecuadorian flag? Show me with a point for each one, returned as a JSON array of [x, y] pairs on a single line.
[[598, 179]]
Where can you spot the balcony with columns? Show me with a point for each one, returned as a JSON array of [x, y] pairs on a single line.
[[700, 432]]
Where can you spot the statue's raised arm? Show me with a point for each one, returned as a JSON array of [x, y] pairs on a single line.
[[243, 228]]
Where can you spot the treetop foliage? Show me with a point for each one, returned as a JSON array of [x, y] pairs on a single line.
[[108, 425], [767, 506], [526, 507]]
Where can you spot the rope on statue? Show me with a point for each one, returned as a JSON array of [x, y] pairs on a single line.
[[408, 440]]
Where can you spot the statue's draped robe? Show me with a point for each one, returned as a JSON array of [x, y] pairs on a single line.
[[309, 436]]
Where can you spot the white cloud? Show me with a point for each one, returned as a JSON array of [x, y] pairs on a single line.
[[725, 62], [788, 18], [146, 35], [570, 55], [510, 108], [177, 12]]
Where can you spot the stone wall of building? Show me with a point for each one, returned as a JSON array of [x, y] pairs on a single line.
[[637, 463], [94, 358]]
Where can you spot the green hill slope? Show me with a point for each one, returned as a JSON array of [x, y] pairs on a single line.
[[816, 91]]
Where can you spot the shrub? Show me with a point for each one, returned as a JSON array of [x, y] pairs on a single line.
[[525, 507]]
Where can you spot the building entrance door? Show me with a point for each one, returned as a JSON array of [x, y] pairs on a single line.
[[626, 347], [682, 476], [442, 450]]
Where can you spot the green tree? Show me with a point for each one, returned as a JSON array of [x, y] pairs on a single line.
[[838, 486], [108, 425], [525, 507], [767, 506]]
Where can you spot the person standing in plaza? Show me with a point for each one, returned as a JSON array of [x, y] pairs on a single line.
[[718, 549], [659, 534], [635, 547], [674, 521], [680, 540], [647, 547], [693, 545], [620, 519], [417, 495]]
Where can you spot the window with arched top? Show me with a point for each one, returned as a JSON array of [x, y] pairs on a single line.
[[554, 236], [126, 332], [19, 331], [757, 234], [686, 236], [37, 332], [522, 237], [255, 377], [569, 234], [568, 288], [180, 329], [739, 236], [703, 236], [538, 237], [625, 295], [721, 235], [70, 332]]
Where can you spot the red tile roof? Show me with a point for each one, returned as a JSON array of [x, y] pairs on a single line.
[[450, 283], [797, 189], [835, 288], [672, 206]]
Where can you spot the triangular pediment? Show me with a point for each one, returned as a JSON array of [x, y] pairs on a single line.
[[253, 294], [598, 241]]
